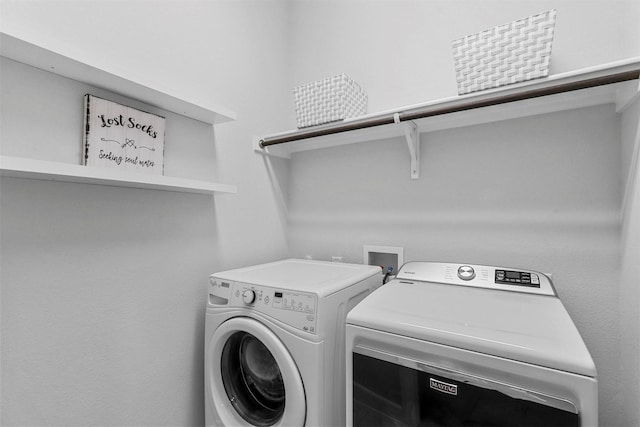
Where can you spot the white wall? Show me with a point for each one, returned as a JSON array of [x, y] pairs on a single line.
[[103, 289], [542, 193], [630, 271]]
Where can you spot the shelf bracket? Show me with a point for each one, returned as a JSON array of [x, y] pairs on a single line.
[[413, 142], [626, 95]]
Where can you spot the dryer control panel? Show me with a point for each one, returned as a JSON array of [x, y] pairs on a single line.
[[296, 309], [479, 276]]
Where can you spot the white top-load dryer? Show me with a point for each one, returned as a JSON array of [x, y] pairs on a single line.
[[451, 344], [274, 340]]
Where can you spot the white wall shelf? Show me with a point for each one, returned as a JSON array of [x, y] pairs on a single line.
[[52, 56], [18, 167], [615, 83]]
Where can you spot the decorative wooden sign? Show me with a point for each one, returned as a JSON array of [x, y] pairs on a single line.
[[121, 137]]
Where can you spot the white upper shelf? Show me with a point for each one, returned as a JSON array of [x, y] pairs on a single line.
[[63, 60], [614, 83], [50, 55]]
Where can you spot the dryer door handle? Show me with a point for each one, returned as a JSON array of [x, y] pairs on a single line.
[[504, 388]]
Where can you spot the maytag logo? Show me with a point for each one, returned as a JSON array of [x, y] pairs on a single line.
[[443, 387]]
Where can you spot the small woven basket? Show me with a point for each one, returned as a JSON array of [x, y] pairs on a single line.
[[332, 99], [506, 54]]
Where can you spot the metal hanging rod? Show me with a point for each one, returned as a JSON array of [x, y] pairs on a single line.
[[329, 130], [453, 107], [524, 95]]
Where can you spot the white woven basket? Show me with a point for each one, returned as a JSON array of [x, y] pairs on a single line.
[[329, 100], [506, 54]]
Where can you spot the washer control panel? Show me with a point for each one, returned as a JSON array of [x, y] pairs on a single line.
[[296, 309], [480, 276]]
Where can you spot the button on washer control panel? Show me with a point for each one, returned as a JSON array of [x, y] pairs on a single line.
[[248, 296], [466, 272]]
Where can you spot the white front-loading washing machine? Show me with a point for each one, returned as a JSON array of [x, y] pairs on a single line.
[[274, 342], [450, 345]]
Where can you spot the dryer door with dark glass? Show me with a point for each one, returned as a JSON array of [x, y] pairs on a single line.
[[394, 391], [253, 379]]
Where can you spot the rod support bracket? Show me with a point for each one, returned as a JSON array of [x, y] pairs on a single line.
[[413, 142], [265, 151]]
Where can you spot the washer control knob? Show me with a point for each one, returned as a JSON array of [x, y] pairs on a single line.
[[248, 296], [466, 272]]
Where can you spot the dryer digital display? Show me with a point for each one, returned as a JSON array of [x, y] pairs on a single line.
[[519, 278]]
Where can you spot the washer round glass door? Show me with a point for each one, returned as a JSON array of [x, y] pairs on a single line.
[[253, 378]]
